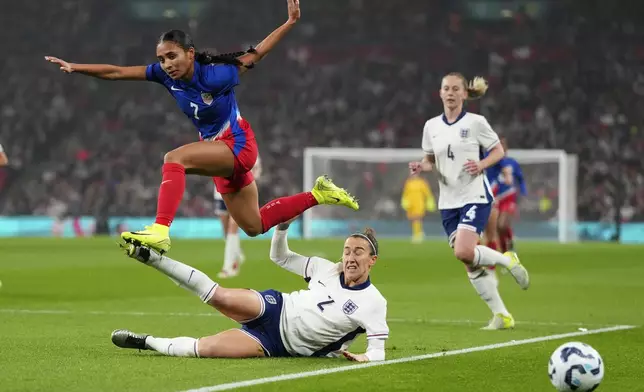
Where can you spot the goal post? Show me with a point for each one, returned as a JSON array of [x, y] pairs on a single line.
[[376, 176]]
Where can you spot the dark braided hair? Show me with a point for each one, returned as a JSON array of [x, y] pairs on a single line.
[[184, 41]]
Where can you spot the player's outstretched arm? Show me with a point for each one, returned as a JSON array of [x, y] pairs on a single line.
[[281, 255], [101, 71], [375, 352], [273, 38]]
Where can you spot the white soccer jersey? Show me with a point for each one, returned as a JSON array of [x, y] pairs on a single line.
[[452, 146], [329, 315], [1, 149]]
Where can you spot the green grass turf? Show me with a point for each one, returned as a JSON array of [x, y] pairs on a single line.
[[79, 290]]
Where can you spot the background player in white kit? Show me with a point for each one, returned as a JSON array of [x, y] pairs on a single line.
[[453, 144], [233, 254], [321, 321]]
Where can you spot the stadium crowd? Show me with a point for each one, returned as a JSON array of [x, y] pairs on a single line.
[[350, 75]]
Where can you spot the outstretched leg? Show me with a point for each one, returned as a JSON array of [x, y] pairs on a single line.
[[243, 205], [228, 344], [241, 305]]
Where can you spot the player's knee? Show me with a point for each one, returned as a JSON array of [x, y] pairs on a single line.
[[253, 230], [172, 157], [221, 298], [208, 347], [464, 254]]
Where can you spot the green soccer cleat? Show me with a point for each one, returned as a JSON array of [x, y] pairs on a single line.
[[326, 192], [156, 237], [518, 271], [500, 321]]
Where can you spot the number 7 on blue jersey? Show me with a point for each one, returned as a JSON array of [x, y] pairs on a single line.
[[196, 108]]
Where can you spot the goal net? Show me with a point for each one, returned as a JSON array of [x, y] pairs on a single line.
[[376, 176]]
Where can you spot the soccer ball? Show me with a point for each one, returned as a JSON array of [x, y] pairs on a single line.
[[575, 366]]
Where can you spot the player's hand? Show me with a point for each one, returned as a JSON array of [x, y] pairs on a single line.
[[355, 357], [417, 167], [284, 225], [293, 10], [64, 65], [473, 168]]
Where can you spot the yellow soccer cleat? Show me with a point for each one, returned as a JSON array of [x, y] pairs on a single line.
[[518, 271], [326, 192], [156, 237], [499, 321]]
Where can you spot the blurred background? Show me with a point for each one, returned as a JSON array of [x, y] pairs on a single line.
[[85, 154]]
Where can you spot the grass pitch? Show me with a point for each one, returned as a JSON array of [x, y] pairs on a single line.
[[61, 299]]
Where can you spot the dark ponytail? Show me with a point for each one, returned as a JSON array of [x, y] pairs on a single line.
[[184, 41], [225, 58]]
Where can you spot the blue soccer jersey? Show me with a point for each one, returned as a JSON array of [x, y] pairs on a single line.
[[208, 99]]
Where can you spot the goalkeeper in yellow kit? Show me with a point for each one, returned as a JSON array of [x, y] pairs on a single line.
[[417, 199]]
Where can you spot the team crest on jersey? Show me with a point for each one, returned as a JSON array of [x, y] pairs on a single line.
[[206, 98], [349, 307], [465, 133], [270, 299]]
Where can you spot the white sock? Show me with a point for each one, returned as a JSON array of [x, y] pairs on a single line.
[[486, 257], [185, 276], [240, 254], [174, 347], [231, 251], [486, 285]]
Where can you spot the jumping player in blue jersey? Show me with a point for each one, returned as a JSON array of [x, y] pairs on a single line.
[[203, 85]]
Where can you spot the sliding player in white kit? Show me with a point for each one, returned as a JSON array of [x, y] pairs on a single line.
[[453, 144], [233, 255], [322, 321]]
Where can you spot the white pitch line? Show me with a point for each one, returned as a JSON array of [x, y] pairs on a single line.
[[466, 321], [314, 373], [215, 314]]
